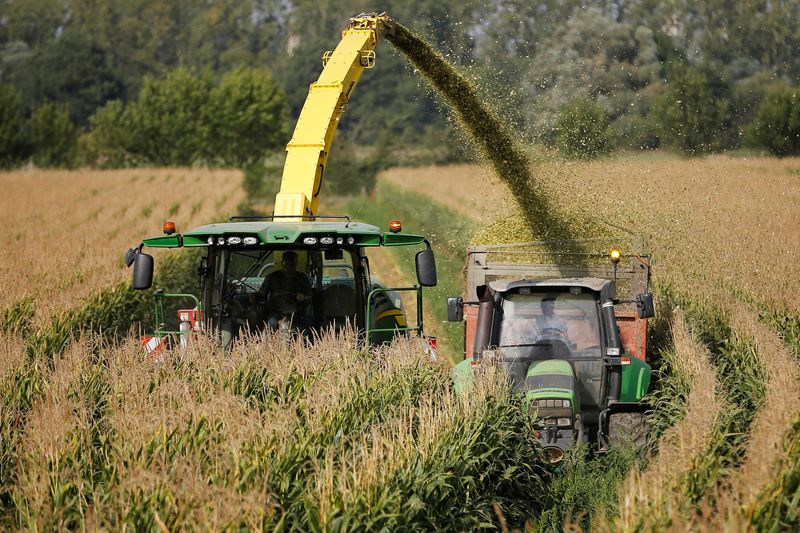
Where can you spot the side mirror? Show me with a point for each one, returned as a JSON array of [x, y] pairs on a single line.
[[426, 268], [644, 305], [142, 272], [455, 309]]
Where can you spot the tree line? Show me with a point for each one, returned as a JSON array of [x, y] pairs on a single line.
[[131, 82]]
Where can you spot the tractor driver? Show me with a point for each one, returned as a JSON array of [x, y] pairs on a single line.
[[288, 293], [550, 325]]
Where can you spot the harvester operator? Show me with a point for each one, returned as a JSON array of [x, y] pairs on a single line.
[[288, 293]]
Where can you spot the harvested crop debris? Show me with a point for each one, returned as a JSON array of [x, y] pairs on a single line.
[[493, 139]]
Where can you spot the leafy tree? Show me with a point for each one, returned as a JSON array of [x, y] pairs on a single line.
[[584, 131], [14, 142], [693, 109], [53, 136], [73, 70], [110, 143], [777, 122], [589, 56], [170, 120], [248, 115]]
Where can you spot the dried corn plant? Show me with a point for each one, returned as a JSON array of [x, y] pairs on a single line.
[[66, 231], [274, 434]]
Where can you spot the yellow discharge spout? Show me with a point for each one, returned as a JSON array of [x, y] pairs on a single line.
[[307, 152]]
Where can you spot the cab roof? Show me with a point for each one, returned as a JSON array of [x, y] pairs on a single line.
[[592, 284], [286, 233]]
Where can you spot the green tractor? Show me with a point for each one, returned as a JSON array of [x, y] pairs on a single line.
[[304, 277], [575, 351]]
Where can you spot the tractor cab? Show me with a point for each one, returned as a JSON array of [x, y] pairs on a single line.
[[305, 277]]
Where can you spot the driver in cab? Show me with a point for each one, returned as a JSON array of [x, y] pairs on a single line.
[[548, 324], [288, 292]]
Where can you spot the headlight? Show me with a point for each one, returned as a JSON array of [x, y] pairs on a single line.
[[562, 422], [326, 240], [310, 240], [220, 240], [339, 240], [350, 240], [210, 241], [566, 403], [234, 240], [250, 240]]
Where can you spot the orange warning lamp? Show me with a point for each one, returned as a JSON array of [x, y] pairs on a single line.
[[615, 255], [395, 226], [169, 228]]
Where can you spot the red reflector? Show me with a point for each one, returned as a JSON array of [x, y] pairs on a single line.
[[625, 360], [433, 342], [395, 226], [169, 228]]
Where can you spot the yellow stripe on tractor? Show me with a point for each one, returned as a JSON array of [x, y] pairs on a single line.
[[397, 314], [307, 152]]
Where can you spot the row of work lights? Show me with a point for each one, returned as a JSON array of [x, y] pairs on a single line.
[[328, 240], [233, 240]]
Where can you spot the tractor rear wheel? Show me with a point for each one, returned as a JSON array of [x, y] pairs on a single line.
[[628, 429]]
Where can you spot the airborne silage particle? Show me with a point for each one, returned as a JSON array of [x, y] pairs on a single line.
[[496, 144]]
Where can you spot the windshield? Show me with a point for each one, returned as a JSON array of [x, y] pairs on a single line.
[[562, 322], [309, 289]]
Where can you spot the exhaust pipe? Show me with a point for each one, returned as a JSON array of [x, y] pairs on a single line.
[[483, 331]]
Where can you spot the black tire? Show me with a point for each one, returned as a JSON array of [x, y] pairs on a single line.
[[629, 430]]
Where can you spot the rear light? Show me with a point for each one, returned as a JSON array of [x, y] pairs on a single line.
[[395, 226], [625, 361], [168, 227]]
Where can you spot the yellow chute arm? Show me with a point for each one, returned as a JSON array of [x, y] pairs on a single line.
[[307, 152]]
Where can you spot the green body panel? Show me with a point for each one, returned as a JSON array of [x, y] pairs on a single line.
[[554, 368], [285, 233], [166, 241], [402, 239], [635, 380], [463, 375]]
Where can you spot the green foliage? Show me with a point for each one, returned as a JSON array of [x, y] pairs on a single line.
[[777, 121], [74, 70], [248, 116], [584, 131], [776, 507], [185, 119], [742, 379], [171, 119], [108, 144], [53, 136], [14, 143], [693, 109], [581, 488]]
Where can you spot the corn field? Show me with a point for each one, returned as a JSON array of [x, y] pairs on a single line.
[[725, 248]]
